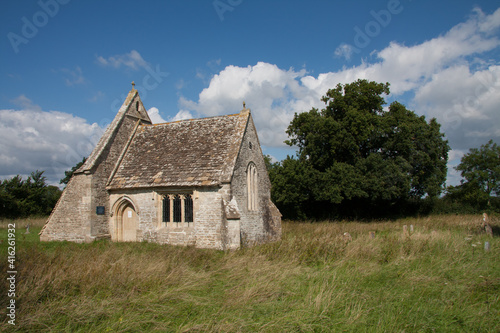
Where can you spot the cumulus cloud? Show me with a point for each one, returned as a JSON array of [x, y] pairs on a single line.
[[181, 115], [132, 60], [154, 115], [465, 103], [52, 141], [156, 118], [445, 77], [273, 95]]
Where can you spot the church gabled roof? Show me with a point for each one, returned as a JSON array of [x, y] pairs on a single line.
[[196, 152], [106, 138]]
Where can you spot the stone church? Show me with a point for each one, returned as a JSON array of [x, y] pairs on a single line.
[[200, 182]]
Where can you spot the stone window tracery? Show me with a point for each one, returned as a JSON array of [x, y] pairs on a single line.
[[178, 209]]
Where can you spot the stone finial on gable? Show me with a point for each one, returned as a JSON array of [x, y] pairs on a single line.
[[245, 109]]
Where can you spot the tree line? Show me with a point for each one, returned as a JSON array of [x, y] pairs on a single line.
[[31, 196], [27, 197]]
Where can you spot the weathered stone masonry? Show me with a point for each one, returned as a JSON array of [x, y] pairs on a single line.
[[119, 192]]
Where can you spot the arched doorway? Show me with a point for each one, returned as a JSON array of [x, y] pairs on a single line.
[[126, 221], [129, 224]]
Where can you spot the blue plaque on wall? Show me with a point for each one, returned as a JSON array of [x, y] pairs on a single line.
[[99, 210]]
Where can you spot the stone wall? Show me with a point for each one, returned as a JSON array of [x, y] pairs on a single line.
[[70, 218], [264, 223], [208, 218], [205, 232]]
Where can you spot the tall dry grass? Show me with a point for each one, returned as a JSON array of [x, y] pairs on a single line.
[[314, 279], [36, 222]]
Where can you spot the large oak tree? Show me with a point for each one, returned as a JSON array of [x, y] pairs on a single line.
[[362, 155]]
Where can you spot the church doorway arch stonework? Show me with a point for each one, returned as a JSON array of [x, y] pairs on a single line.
[[126, 221]]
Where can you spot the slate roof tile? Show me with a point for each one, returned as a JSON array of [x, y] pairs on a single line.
[[196, 152]]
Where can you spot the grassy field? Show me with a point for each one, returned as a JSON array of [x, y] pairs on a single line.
[[437, 279]]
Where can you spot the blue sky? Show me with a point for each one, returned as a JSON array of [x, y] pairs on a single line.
[[67, 66]]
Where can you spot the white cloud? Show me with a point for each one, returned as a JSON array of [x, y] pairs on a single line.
[[344, 50], [155, 116], [181, 115], [132, 60], [465, 103], [53, 141], [446, 75], [273, 95]]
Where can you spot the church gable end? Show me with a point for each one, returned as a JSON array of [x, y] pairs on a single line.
[[250, 185], [77, 216]]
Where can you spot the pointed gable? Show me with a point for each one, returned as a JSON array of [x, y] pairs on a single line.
[[196, 152], [132, 107]]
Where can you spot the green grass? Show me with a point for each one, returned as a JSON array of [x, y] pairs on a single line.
[[314, 280]]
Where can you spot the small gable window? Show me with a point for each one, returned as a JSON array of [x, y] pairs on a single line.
[[252, 187], [177, 208]]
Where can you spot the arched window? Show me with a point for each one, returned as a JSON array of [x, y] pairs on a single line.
[[252, 188], [188, 208], [178, 208], [166, 209]]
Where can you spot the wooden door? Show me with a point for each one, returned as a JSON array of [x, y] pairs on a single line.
[[129, 225]]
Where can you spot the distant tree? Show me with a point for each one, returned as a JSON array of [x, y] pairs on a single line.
[[21, 198], [295, 186], [361, 155], [269, 162], [69, 174], [480, 169]]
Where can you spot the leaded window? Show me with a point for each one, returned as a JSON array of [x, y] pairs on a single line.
[[178, 208], [188, 208]]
